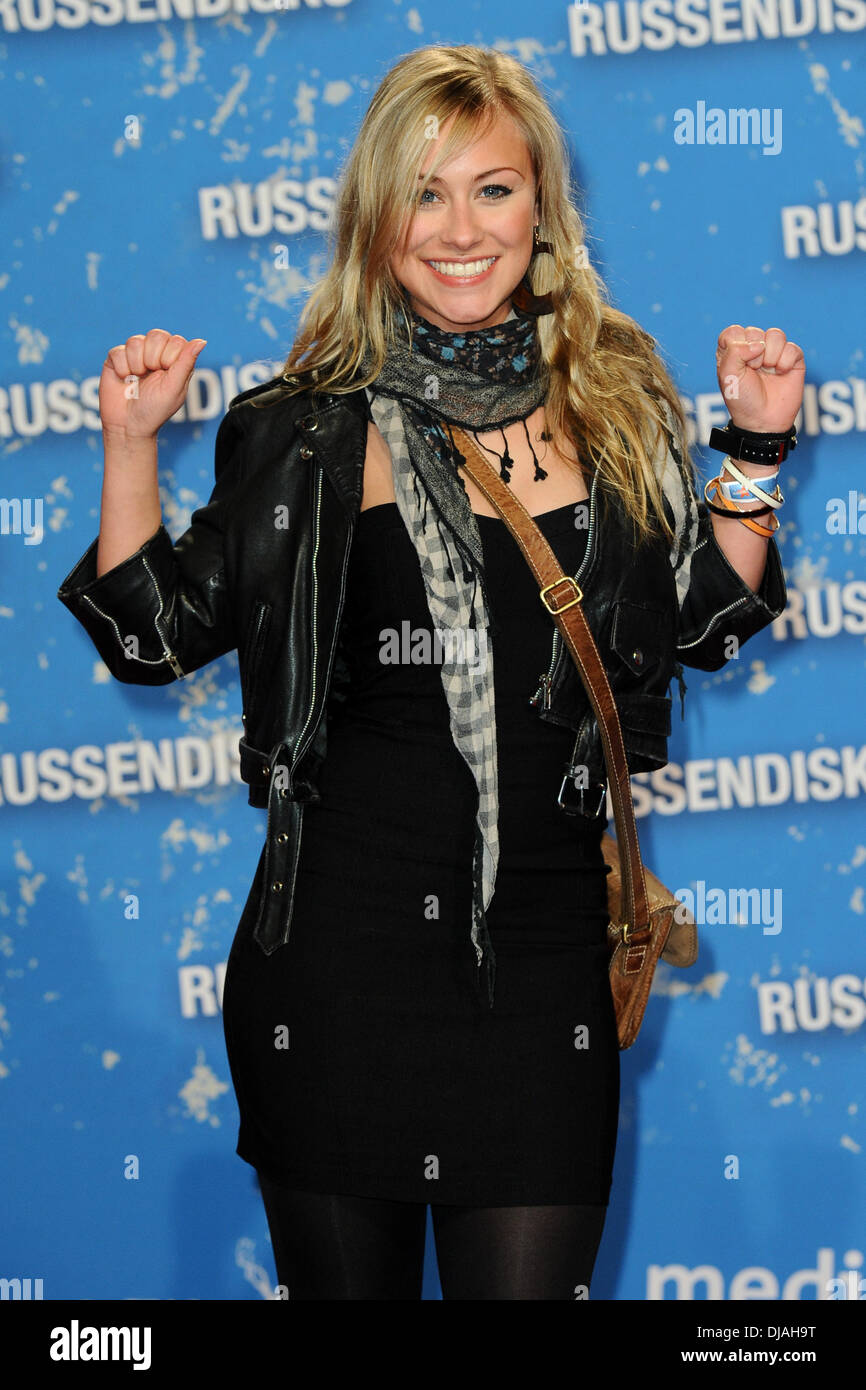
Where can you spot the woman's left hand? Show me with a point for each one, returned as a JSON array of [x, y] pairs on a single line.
[[762, 385]]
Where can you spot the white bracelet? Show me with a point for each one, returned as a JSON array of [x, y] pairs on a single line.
[[738, 492], [774, 499]]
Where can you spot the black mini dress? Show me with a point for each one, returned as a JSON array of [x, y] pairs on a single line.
[[364, 1056]]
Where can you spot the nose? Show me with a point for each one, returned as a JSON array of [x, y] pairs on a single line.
[[461, 229]]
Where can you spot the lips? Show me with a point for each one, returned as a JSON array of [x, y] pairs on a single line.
[[463, 270]]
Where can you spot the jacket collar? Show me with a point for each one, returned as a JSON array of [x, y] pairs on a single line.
[[333, 426]]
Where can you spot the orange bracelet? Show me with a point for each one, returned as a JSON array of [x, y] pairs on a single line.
[[719, 498]]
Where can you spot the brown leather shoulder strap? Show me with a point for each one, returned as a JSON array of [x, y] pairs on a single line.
[[561, 597]]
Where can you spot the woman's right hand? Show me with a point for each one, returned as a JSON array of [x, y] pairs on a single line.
[[161, 364]]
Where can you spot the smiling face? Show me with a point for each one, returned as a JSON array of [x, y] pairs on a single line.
[[470, 241]]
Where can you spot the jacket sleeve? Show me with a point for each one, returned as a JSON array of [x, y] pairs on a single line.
[[715, 603], [164, 611]]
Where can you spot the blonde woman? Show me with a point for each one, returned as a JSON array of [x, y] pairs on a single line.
[[417, 1008]]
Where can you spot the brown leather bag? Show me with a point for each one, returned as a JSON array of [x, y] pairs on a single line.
[[646, 920]]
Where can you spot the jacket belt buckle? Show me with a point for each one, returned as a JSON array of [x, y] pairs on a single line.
[[581, 801], [575, 589]]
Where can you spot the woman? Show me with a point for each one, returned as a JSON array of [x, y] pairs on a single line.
[[399, 1033]]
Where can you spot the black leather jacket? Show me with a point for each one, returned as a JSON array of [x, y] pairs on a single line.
[[262, 568]]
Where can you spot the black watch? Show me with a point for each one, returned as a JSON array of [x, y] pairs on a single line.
[[750, 447]]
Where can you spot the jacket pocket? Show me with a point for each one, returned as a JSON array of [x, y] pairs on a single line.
[[254, 652], [637, 636], [646, 725], [645, 722]]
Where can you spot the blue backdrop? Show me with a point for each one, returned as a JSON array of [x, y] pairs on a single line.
[[174, 166]]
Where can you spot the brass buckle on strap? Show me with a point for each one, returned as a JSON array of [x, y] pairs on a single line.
[[577, 593]]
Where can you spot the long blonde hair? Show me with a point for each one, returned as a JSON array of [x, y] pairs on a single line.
[[607, 381]]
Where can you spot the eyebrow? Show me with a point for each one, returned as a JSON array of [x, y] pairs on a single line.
[[499, 169]]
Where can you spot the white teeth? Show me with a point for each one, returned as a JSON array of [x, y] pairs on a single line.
[[460, 272]]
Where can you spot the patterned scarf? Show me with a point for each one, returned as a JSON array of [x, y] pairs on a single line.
[[480, 380]]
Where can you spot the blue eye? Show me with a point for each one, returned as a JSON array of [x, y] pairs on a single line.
[[501, 192]]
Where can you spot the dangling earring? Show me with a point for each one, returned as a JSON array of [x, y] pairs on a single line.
[[522, 297], [538, 245]]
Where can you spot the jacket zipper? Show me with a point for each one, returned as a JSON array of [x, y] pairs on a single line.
[[256, 647], [144, 661], [169, 654], [297, 845], [546, 678], [301, 747], [684, 646]]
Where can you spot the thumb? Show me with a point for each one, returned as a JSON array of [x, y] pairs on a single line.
[[184, 366]]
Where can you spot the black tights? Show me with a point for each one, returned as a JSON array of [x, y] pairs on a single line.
[[338, 1247]]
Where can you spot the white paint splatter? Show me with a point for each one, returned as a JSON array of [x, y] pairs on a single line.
[[761, 680], [28, 888], [850, 127], [304, 103], [32, 343], [667, 983], [203, 1087], [269, 31], [254, 1273], [92, 262], [189, 942], [60, 207], [336, 93], [752, 1065], [532, 53], [230, 101], [79, 875], [805, 574], [166, 55], [205, 841], [293, 151]]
